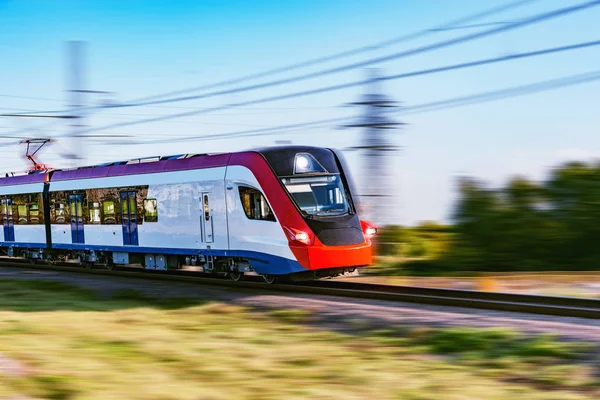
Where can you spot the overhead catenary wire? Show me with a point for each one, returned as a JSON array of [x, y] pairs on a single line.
[[12, 96], [416, 109], [408, 74], [537, 18], [251, 132], [378, 60], [360, 50], [503, 93], [426, 107], [351, 84]]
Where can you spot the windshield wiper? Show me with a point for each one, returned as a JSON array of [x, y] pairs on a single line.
[[329, 211]]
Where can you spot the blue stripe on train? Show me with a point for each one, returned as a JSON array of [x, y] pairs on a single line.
[[24, 245], [262, 263]]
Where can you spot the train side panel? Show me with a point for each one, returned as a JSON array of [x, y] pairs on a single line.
[[178, 228], [255, 233], [27, 225], [182, 222]]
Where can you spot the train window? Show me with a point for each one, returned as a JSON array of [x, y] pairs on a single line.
[[94, 211], [150, 210], [60, 213], [34, 213], [318, 195], [132, 206], [59, 209], [27, 209], [22, 214], [255, 205], [3, 212], [206, 208], [109, 214]]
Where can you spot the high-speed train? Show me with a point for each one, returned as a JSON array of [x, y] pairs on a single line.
[[284, 211]]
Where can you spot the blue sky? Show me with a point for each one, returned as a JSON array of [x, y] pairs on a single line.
[[141, 48]]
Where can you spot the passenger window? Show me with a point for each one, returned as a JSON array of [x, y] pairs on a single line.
[[150, 210], [60, 213], [255, 205], [94, 210], [108, 209], [34, 214], [22, 214]]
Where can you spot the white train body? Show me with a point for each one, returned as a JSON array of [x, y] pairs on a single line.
[[226, 213]]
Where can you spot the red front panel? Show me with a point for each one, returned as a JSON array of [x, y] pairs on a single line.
[[315, 255], [320, 257]]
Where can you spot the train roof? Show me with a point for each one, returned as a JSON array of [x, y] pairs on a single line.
[[147, 165], [34, 177]]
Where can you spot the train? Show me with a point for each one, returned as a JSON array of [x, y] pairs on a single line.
[[283, 212]]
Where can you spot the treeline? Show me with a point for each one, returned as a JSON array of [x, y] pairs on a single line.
[[523, 226]]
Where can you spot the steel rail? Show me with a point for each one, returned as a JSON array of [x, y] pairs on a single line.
[[521, 303]]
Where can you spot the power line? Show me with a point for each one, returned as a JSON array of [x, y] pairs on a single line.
[[426, 107], [361, 64], [420, 108], [251, 132], [439, 45], [344, 54], [503, 93], [451, 28], [37, 116], [352, 84], [358, 83], [28, 97]]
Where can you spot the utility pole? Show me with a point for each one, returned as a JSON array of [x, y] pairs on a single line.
[[76, 101], [75, 90], [378, 184]]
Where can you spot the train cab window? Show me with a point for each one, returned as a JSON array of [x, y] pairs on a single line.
[[94, 211], [255, 205], [318, 195], [150, 210], [108, 213]]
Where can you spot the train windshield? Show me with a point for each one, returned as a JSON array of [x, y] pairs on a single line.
[[318, 195]]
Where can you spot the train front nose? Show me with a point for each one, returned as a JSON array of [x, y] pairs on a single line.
[[324, 230], [346, 247]]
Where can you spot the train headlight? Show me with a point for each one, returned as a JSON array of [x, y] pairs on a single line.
[[302, 236], [368, 229], [306, 163], [302, 162], [371, 231], [296, 235]]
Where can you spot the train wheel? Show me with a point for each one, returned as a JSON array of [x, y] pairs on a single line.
[[107, 263], [236, 275], [270, 279]]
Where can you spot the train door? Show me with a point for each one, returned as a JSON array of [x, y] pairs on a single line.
[[7, 220], [207, 218], [76, 208], [129, 218]]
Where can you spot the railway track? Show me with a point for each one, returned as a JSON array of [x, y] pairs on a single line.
[[531, 304]]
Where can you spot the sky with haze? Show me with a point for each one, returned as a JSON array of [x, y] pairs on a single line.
[[141, 48]]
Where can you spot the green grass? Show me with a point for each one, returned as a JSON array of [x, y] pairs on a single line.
[[62, 342]]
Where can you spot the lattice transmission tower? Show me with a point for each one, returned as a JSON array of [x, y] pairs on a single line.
[[378, 181]]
